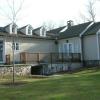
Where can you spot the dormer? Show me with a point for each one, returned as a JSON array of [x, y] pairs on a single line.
[[43, 32], [27, 30], [40, 31], [11, 28]]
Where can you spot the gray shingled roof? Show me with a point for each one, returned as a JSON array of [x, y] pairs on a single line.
[[23, 27], [19, 34], [56, 31], [37, 29], [73, 31], [93, 29]]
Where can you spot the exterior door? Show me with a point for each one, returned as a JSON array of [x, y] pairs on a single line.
[[1, 51]]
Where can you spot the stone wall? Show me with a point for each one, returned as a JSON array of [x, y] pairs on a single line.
[[50, 69], [46, 69], [19, 70]]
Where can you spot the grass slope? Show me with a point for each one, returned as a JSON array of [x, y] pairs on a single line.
[[84, 85]]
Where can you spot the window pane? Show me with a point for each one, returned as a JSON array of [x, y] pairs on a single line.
[[17, 46], [70, 48], [65, 48], [13, 46]]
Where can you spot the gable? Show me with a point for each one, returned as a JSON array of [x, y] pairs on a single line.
[[93, 29], [27, 30], [11, 28]]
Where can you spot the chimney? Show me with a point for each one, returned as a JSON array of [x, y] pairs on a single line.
[[69, 23]]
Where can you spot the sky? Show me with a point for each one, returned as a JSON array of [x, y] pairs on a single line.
[[38, 12]]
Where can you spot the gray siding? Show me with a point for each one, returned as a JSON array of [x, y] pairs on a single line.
[[31, 46], [76, 43], [90, 47]]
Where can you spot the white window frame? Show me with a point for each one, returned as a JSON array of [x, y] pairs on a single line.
[[29, 31], [67, 44], [14, 29], [15, 46]]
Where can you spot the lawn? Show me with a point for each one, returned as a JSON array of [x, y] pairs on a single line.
[[84, 85]]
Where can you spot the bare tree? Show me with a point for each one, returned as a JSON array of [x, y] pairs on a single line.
[[91, 14], [91, 10], [49, 25], [11, 14], [12, 10]]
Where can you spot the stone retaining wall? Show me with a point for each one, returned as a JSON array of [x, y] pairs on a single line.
[[22, 70]]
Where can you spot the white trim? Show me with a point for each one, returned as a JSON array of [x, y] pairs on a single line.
[[41, 31], [98, 48], [29, 27], [3, 52], [86, 28], [4, 56]]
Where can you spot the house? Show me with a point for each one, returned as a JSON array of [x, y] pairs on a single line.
[[82, 38], [40, 31], [23, 40]]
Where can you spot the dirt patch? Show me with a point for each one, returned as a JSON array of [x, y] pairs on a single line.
[[38, 76]]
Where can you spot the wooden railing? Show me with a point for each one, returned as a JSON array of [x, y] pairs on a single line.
[[26, 57]]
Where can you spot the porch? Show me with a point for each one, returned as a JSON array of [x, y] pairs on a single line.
[[48, 63], [49, 58]]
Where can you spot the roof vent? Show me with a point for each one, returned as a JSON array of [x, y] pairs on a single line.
[[69, 23]]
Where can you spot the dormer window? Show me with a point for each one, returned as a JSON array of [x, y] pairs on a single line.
[[43, 32], [29, 30], [11, 28], [14, 29]]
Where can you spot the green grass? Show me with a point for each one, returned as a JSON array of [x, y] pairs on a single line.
[[84, 85]]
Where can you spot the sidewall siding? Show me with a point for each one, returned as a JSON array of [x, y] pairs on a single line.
[[29, 45], [75, 41], [90, 47]]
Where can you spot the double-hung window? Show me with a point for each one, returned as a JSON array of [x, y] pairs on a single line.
[[16, 46]]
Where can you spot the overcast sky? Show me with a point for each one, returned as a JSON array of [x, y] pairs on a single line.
[[36, 12]]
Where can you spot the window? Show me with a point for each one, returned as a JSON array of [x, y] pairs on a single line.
[[43, 32], [29, 31], [68, 48], [16, 46], [14, 29]]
